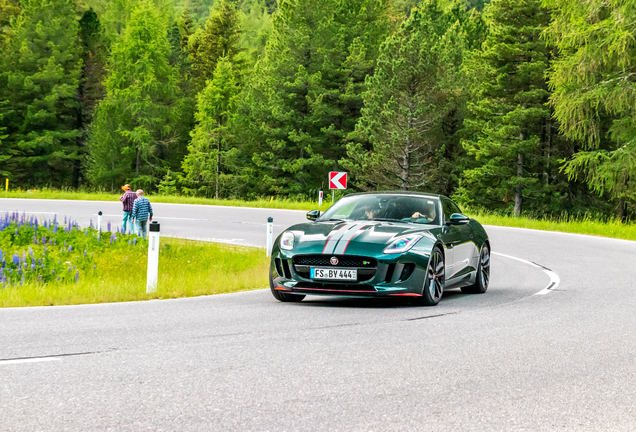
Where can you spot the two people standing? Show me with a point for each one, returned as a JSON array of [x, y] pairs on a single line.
[[137, 210]]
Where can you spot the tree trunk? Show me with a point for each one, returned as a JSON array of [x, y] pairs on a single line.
[[548, 150], [518, 191]]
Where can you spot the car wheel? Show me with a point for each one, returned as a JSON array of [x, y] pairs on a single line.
[[483, 273], [435, 278], [284, 297]]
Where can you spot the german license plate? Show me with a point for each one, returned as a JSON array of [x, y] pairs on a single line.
[[334, 274]]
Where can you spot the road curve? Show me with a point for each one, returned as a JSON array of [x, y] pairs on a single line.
[[505, 360]]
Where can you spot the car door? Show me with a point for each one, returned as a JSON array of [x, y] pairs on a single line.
[[464, 248], [451, 237]]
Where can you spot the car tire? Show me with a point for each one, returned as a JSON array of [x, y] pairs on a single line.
[[433, 288], [482, 279], [282, 296]]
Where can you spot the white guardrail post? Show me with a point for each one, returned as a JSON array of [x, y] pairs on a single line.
[[99, 225], [270, 235], [320, 197], [153, 257]]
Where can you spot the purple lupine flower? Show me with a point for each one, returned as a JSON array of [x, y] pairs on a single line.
[[16, 259], [35, 240], [85, 233], [91, 223], [108, 225], [69, 269], [64, 220], [129, 242], [16, 232], [1, 254], [70, 248], [33, 266], [94, 267], [31, 251], [58, 278], [53, 272], [23, 256], [4, 263], [76, 276], [135, 241], [84, 253], [22, 281]]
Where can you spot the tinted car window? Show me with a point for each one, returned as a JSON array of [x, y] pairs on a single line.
[[401, 208], [449, 208]]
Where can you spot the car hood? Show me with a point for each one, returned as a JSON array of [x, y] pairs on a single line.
[[352, 238]]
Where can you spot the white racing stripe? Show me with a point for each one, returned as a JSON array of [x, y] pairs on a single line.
[[555, 280], [333, 238], [347, 236]]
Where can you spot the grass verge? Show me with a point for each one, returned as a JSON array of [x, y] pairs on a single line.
[[589, 226], [186, 269]]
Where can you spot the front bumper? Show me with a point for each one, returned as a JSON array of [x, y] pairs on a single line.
[[382, 276]]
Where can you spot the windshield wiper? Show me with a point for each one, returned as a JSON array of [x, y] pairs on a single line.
[[331, 220], [387, 220]]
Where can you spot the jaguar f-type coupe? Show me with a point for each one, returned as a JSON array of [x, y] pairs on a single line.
[[392, 244]]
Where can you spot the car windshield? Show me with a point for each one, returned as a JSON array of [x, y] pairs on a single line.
[[401, 208]]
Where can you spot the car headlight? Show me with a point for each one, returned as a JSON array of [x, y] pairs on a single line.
[[287, 241], [402, 244]]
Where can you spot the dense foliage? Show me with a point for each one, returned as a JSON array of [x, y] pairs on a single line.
[[510, 105]]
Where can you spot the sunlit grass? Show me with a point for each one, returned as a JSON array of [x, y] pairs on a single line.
[[186, 269], [569, 224]]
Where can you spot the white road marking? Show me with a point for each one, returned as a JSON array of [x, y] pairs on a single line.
[[555, 280], [29, 360]]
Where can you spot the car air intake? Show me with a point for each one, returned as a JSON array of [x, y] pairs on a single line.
[[286, 269], [407, 271], [279, 268], [389, 273]]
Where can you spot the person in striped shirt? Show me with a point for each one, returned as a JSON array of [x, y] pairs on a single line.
[[141, 210], [128, 199]]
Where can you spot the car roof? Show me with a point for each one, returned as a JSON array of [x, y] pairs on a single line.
[[420, 194]]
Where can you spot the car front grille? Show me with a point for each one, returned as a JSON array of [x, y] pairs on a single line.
[[343, 261], [366, 267]]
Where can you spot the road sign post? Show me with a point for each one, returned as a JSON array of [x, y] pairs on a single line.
[[99, 225], [153, 257], [337, 180], [270, 235], [320, 197]]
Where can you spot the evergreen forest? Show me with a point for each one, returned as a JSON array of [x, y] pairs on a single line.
[[514, 106]]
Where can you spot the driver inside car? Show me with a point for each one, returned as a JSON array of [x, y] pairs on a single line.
[[427, 213]]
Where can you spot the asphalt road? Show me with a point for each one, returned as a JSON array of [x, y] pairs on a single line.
[[506, 360]]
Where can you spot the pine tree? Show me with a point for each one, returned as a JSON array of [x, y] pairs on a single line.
[[407, 99], [133, 130], [594, 93], [9, 9], [507, 127], [220, 38], [39, 93], [306, 93], [216, 105]]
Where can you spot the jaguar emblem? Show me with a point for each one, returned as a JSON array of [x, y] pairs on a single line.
[[333, 261]]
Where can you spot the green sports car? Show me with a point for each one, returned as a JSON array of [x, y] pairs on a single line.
[[392, 244]]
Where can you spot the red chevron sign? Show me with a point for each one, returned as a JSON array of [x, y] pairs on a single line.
[[337, 180]]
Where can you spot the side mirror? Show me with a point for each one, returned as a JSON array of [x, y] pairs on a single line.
[[458, 219], [313, 215]]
